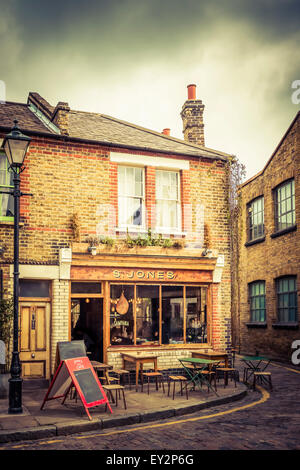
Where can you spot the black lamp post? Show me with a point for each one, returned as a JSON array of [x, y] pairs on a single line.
[[15, 145]]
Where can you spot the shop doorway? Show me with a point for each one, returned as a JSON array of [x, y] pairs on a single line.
[[87, 324]]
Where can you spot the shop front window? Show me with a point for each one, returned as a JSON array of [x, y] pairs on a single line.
[[135, 317], [147, 315], [121, 315], [196, 315], [172, 315]]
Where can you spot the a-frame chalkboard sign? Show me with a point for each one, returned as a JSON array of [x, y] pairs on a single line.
[[77, 372]]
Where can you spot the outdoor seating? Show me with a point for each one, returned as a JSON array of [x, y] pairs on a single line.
[[174, 379], [117, 388], [259, 376], [108, 379], [201, 372], [121, 373], [226, 372], [211, 376], [158, 380]]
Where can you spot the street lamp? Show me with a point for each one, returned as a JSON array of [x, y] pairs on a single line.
[[15, 146]]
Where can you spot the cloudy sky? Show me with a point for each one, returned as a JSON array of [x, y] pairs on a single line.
[[133, 59]]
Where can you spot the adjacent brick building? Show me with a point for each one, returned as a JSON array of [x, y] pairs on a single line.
[[126, 237], [267, 267]]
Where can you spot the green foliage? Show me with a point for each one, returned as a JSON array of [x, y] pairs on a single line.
[[107, 241], [6, 324], [150, 240]]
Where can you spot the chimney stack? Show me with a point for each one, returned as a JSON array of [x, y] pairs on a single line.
[[192, 118], [166, 131]]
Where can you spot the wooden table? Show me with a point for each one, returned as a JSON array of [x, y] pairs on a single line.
[[99, 366], [139, 359], [212, 356]]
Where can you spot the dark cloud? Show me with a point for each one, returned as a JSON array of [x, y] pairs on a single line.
[[133, 59]]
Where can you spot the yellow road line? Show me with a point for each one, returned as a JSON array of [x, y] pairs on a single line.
[[263, 399], [287, 368]]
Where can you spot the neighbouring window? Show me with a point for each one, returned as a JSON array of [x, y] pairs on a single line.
[[131, 194], [286, 288], [31, 288], [6, 184], [168, 210], [285, 214], [147, 314], [257, 294], [256, 218]]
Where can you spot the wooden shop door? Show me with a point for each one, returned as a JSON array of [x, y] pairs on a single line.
[[35, 339]]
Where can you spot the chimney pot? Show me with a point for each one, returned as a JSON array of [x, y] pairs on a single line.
[[191, 92], [166, 131]]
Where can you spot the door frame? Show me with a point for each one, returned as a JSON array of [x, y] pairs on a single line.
[[35, 302], [91, 296]]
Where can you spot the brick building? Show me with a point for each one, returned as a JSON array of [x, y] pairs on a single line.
[[125, 240], [267, 264]]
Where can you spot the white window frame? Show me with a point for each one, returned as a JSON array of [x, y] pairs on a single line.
[[132, 227], [166, 229]]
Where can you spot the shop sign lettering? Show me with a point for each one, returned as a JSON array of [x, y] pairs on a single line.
[[149, 275]]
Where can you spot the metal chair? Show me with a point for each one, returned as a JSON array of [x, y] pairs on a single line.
[[260, 376], [158, 380], [117, 388], [174, 379], [121, 373], [227, 371]]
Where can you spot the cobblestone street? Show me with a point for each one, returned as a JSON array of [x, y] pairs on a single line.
[[262, 421]]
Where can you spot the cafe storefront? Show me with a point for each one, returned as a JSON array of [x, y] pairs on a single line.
[[117, 307]]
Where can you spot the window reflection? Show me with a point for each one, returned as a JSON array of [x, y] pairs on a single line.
[[147, 314], [196, 314], [172, 315], [121, 314]]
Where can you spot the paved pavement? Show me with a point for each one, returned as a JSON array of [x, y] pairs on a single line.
[[56, 419], [258, 420]]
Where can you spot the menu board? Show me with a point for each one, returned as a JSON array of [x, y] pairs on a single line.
[[77, 372]]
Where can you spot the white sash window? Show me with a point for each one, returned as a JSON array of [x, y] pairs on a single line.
[[131, 193], [168, 208]]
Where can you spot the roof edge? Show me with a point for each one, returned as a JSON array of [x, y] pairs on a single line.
[[273, 154], [107, 144]]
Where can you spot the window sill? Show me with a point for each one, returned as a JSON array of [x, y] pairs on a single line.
[[257, 240], [153, 232], [256, 324], [283, 232], [286, 325], [130, 230]]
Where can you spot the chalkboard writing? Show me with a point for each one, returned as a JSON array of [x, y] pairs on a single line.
[[69, 350], [88, 385]]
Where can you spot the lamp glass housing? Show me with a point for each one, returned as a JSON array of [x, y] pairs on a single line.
[[15, 146]]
